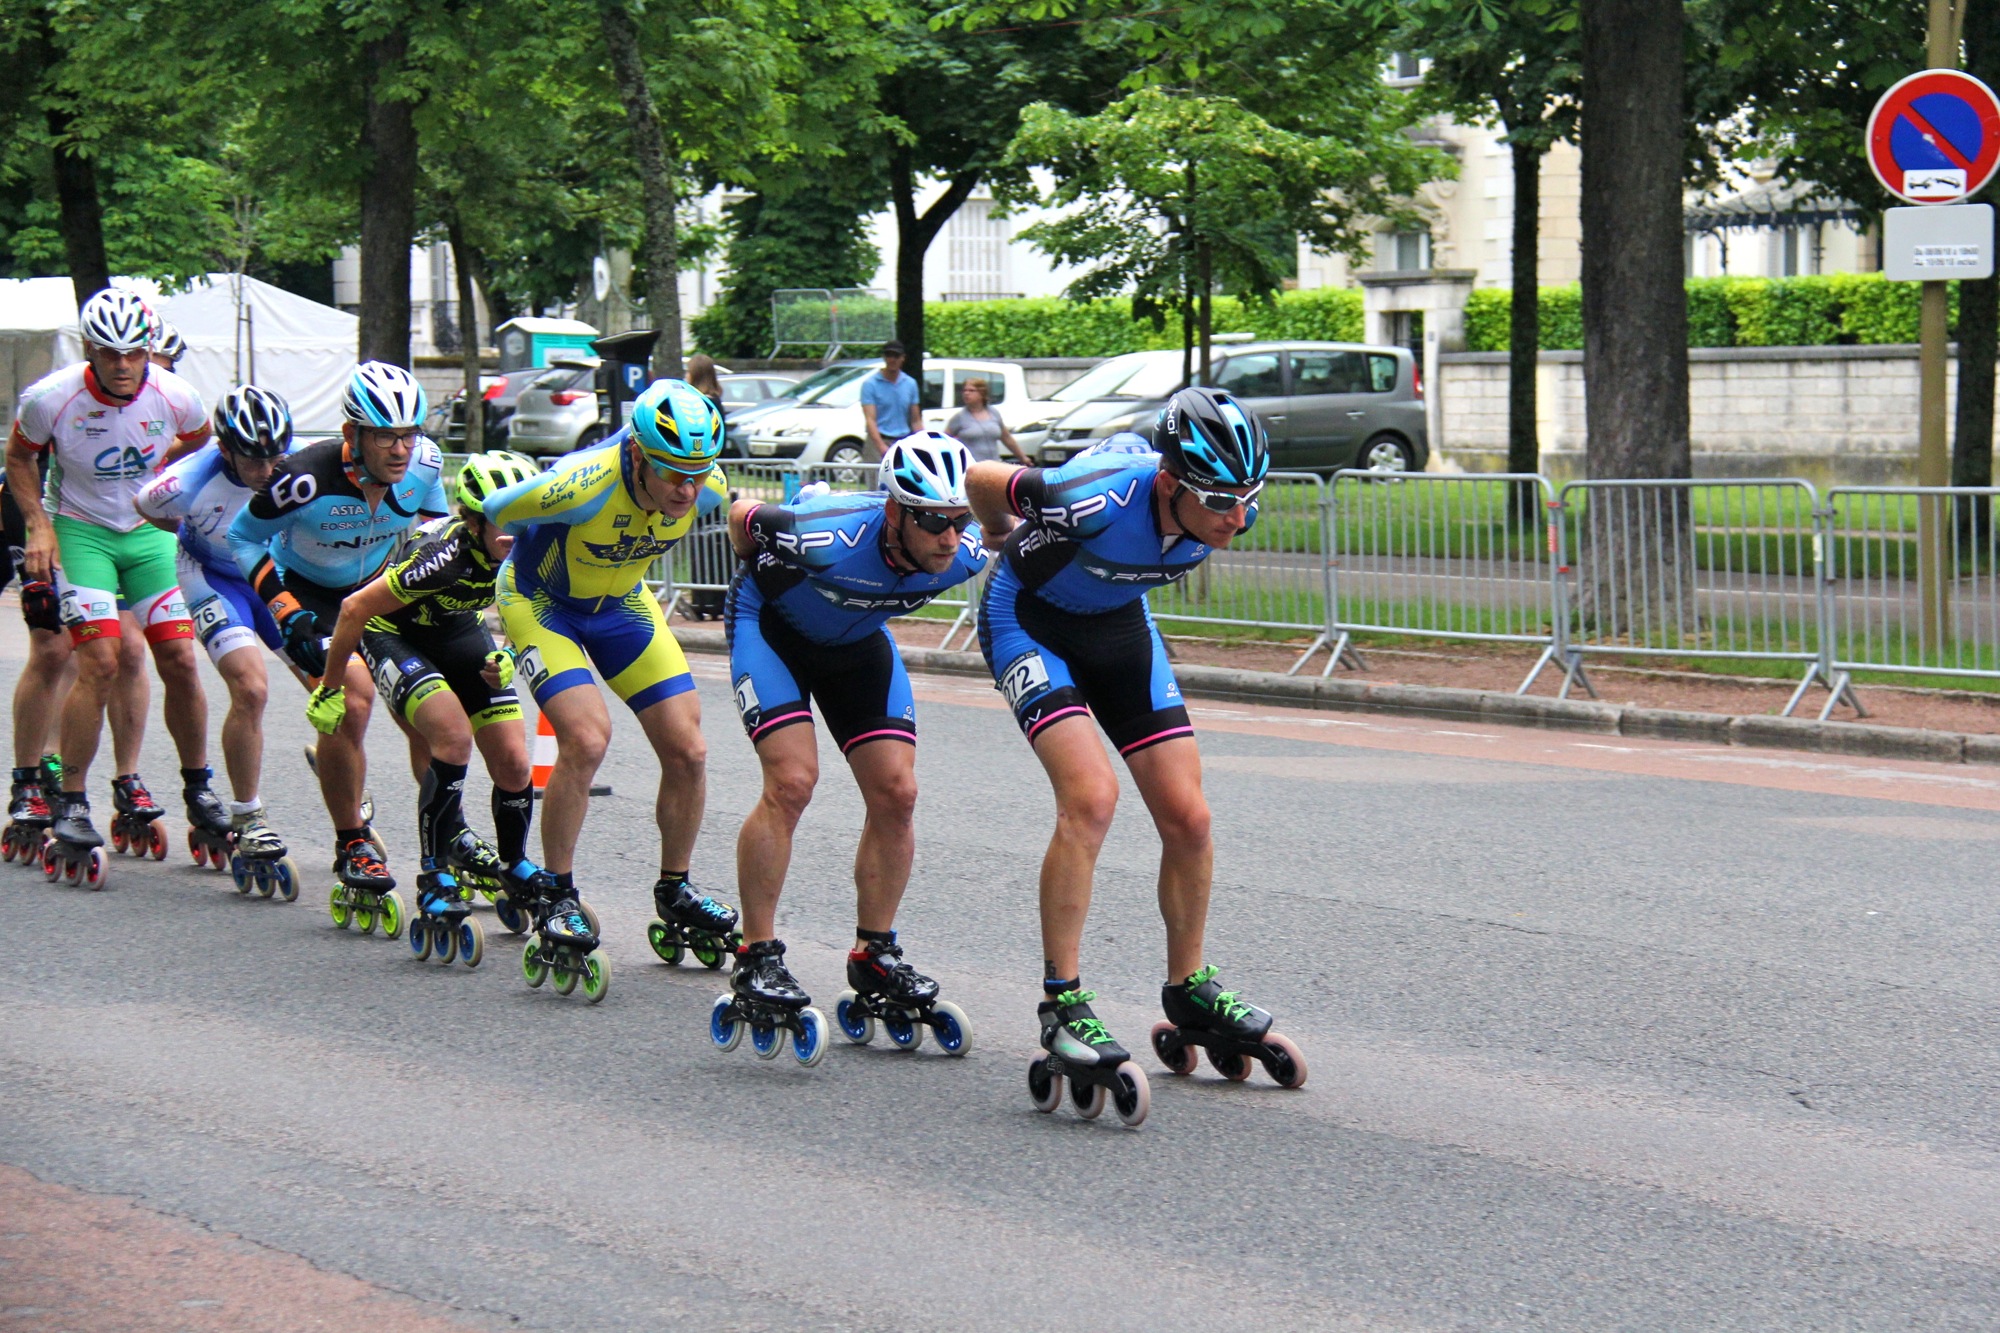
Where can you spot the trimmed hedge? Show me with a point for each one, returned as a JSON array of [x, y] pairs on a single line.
[[1051, 326], [1817, 311]]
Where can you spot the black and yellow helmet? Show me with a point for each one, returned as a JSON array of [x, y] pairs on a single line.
[[485, 475]]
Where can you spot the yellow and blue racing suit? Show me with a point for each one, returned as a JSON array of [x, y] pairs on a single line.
[[573, 595]]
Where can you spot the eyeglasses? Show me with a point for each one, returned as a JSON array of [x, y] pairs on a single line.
[[1221, 502], [673, 478], [393, 440], [937, 524]]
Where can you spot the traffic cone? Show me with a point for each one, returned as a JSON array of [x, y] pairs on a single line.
[[543, 760]]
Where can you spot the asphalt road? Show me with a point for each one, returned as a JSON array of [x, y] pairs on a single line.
[[1602, 1036]]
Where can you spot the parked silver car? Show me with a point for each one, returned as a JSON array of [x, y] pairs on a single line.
[[1326, 405], [557, 413]]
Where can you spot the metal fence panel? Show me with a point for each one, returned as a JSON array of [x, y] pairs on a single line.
[[1271, 577], [697, 571], [1912, 579]]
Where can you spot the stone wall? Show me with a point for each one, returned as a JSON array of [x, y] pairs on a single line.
[[1829, 414]]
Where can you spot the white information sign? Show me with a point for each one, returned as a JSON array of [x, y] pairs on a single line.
[[1937, 244]]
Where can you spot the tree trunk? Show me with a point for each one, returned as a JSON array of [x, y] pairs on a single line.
[[1978, 324], [649, 152], [1638, 553], [1205, 291], [1524, 333], [388, 208], [82, 215], [468, 329], [914, 233]]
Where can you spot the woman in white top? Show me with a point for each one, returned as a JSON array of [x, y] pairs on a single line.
[[979, 428]]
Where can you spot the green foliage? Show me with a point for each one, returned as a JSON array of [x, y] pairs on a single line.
[[1055, 327], [1710, 323], [812, 234]]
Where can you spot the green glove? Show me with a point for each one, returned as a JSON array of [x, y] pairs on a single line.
[[325, 709], [502, 661]]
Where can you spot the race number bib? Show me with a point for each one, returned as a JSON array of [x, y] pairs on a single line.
[[1024, 678], [747, 705]]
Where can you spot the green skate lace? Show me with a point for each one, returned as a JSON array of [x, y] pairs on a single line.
[[1232, 1008], [1089, 1030]]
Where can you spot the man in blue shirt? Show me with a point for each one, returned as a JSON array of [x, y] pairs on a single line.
[[891, 401]]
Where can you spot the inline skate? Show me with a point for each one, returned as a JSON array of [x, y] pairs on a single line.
[[564, 946], [1082, 1051], [135, 815], [259, 860], [444, 924], [364, 891], [693, 922], [764, 999], [477, 866], [28, 817], [74, 851], [902, 998], [211, 839], [523, 886], [1232, 1031]]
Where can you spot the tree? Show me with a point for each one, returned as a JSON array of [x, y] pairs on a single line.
[[656, 183]]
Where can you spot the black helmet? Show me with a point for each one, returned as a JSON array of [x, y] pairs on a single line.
[[253, 423], [1209, 438]]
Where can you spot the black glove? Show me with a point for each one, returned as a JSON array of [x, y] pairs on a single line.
[[302, 645], [40, 606]]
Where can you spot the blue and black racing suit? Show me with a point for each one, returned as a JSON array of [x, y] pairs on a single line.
[[807, 619], [1064, 625]]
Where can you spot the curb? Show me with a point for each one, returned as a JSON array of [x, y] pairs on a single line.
[[1518, 710]]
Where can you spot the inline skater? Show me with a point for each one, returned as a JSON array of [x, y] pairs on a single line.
[[420, 626], [168, 349], [573, 595], [197, 498], [104, 423], [324, 526], [1067, 633], [807, 622]]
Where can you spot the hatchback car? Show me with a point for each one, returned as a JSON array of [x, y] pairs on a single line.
[[1326, 405], [557, 412], [828, 426]]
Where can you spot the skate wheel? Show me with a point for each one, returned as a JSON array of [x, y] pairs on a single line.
[[905, 1033], [420, 940], [156, 842], [665, 940], [1283, 1061], [566, 974], [1175, 1054], [596, 975], [1088, 1098], [337, 907], [512, 917], [394, 914], [118, 839], [1045, 1087], [723, 1029], [50, 866], [285, 878], [240, 872], [591, 917], [196, 850], [954, 1030], [766, 1040], [709, 956], [444, 940], [266, 876], [93, 868], [364, 915], [809, 1042], [856, 1024], [534, 968], [1133, 1097], [1231, 1066], [471, 942]]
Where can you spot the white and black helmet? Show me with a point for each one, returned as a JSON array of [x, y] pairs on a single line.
[[118, 321], [384, 396], [926, 471], [253, 423], [168, 342]]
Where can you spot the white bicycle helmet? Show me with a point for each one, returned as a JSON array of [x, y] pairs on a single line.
[[118, 321], [169, 343], [926, 471], [384, 396]]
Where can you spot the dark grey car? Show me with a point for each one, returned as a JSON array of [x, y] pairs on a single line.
[[1326, 405]]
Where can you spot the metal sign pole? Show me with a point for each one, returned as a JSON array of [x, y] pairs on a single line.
[[1933, 447]]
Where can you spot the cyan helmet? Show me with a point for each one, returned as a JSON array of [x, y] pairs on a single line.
[[384, 396], [253, 423], [118, 320], [926, 471], [1206, 436], [677, 427]]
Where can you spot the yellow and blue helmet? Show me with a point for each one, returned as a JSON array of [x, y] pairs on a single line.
[[678, 428]]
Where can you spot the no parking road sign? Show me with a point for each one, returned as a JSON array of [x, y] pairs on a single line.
[[1934, 138]]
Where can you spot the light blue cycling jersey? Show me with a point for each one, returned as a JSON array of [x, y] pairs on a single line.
[[313, 520], [824, 565], [199, 494]]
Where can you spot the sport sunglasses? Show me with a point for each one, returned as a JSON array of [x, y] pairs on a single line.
[[936, 524], [1221, 502]]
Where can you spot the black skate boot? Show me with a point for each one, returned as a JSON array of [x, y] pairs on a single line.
[[564, 945], [1081, 1049], [444, 924], [692, 921], [135, 817], [74, 851], [1232, 1030], [474, 861], [28, 817], [211, 839], [364, 891], [260, 861], [904, 999], [768, 1001], [524, 886]]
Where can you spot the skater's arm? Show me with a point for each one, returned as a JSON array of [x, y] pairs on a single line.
[[376, 599], [24, 480], [987, 488], [571, 492], [740, 539]]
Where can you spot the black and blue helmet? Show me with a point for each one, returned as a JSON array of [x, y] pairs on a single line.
[[1206, 436]]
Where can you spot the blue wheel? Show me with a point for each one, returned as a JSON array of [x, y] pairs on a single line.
[[723, 1029], [285, 878], [240, 872], [905, 1033], [420, 939], [954, 1031], [511, 916], [809, 1042], [856, 1024], [266, 876], [766, 1040]]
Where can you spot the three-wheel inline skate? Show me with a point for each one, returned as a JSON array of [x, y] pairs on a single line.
[[690, 921], [1231, 1030], [888, 990], [364, 892], [478, 869], [564, 946], [765, 1000], [28, 817], [135, 817], [1081, 1051], [444, 925], [211, 833], [74, 850], [259, 860]]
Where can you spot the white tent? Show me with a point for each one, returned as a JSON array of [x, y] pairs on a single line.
[[238, 331]]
